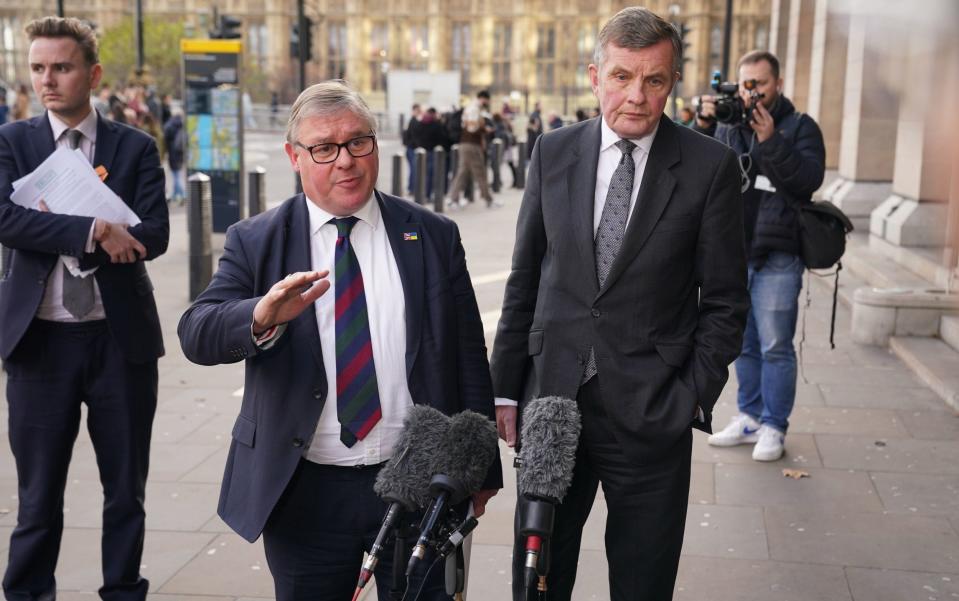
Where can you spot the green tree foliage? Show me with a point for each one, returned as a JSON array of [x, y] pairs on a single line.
[[161, 49]]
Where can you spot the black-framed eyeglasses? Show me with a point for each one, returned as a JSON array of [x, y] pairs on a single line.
[[327, 152]]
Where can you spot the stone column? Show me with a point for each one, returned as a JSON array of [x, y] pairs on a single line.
[[915, 214], [874, 70], [798, 52], [827, 75], [779, 28]]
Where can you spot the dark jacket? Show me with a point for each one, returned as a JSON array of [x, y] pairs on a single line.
[[174, 139], [428, 134], [36, 238], [670, 315], [794, 160], [286, 384]]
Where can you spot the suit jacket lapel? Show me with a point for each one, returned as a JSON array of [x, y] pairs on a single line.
[[297, 256], [398, 220], [654, 194], [581, 185], [42, 144], [108, 137]]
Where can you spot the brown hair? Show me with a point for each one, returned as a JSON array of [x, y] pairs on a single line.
[[757, 56], [69, 27]]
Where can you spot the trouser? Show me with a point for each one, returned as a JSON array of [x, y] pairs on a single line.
[[646, 513], [766, 369], [55, 368], [316, 536], [472, 162]]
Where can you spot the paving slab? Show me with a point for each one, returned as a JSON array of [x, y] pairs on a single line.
[[889, 454], [918, 494], [931, 425], [863, 539], [702, 484], [762, 485], [228, 566], [892, 376], [866, 394], [801, 451], [714, 579], [724, 531], [882, 423], [897, 585]]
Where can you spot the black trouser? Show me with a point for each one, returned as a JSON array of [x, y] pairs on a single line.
[[318, 531], [646, 513], [55, 368]]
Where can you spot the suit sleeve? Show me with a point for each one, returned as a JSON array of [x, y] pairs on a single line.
[[475, 390], [721, 271], [149, 203], [510, 359], [27, 229], [216, 328]]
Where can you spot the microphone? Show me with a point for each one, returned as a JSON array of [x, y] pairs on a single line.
[[468, 450], [404, 480], [550, 435], [457, 537]]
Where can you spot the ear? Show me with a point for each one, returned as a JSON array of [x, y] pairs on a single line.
[[96, 73], [593, 78], [294, 158]]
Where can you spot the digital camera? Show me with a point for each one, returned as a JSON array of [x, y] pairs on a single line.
[[730, 108]]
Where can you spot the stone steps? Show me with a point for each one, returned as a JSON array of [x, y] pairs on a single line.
[[935, 362], [949, 331]]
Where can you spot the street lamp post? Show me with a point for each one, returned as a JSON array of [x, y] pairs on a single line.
[[674, 10]]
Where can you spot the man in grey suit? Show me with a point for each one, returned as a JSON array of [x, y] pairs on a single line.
[[628, 294]]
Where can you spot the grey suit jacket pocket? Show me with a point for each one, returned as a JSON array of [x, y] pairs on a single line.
[[535, 342], [244, 430]]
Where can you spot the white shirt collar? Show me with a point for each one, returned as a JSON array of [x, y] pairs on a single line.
[[368, 213], [609, 138], [88, 127]]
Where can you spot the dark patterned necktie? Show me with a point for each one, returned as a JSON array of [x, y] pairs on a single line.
[[357, 396], [612, 226], [78, 296]]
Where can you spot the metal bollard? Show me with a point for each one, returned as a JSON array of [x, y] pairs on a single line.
[[397, 189], [521, 165], [199, 222], [256, 191], [419, 183], [495, 163], [402, 124], [439, 178]]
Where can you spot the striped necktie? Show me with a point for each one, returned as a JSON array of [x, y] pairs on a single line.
[[78, 294], [357, 396]]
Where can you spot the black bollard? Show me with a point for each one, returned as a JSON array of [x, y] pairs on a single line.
[[495, 162], [439, 178], [256, 191], [199, 223], [419, 182], [398, 159]]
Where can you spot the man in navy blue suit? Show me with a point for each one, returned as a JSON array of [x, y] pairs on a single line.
[[331, 373], [79, 319]]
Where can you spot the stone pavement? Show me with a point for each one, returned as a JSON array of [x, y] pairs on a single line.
[[876, 520]]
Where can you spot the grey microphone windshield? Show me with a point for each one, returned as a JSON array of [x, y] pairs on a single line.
[[470, 450], [549, 438], [405, 478]]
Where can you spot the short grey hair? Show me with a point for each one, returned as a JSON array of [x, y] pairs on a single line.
[[324, 99], [635, 28]]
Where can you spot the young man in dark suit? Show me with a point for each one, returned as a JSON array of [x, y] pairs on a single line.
[[333, 368], [80, 323], [628, 294]]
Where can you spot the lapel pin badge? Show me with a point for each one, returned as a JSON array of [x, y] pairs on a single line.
[[408, 236], [102, 173]]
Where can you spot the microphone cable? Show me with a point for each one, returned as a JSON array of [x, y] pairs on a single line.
[[426, 577]]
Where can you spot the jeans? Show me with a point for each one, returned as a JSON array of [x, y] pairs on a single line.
[[766, 369], [177, 177]]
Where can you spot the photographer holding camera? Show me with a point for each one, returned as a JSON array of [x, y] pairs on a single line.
[[782, 159]]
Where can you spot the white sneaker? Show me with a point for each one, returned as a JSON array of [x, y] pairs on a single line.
[[769, 447], [742, 429]]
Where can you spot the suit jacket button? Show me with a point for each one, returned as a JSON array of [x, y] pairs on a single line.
[[297, 442], [595, 313], [317, 394]]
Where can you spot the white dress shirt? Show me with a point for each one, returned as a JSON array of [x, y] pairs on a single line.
[[386, 308], [609, 157], [51, 305]]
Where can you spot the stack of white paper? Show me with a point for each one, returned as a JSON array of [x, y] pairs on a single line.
[[68, 185]]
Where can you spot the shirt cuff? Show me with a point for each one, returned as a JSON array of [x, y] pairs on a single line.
[[268, 338], [91, 244], [504, 402]]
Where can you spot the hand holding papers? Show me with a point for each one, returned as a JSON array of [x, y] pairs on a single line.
[[68, 185]]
